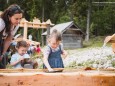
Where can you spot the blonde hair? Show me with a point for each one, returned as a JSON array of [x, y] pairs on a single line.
[[56, 34]]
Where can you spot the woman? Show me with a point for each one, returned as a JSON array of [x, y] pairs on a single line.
[[9, 24]]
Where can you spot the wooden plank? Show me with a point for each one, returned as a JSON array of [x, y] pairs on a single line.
[[25, 30], [113, 47], [110, 39], [26, 70], [78, 78]]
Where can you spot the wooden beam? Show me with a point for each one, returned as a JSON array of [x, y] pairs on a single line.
[[35, 24], [103, 3], [48, 31], [25, 30]]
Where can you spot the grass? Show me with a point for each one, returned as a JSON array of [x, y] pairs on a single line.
[[95, 42], [92, 43]]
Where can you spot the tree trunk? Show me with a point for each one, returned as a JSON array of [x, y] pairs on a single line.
[[42, 21], [88, 21]]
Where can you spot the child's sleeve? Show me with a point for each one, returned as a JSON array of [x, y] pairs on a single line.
[[62, 49], [13, 59], [46, 52], [63, 52], [26, 56]]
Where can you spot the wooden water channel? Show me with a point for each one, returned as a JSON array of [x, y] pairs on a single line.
[[36, 77]]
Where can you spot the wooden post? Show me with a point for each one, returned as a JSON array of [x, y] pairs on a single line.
[[42, 38], [25, 29], [48, 31]]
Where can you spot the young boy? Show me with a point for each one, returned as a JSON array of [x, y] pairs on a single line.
[[21, 57]]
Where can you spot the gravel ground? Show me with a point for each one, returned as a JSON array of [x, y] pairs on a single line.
[[93, 57]]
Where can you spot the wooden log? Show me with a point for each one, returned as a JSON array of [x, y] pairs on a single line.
[[36, 23], [113, 47], [43, 25], [73, 78], [30, 24], [110, 39], [23, 20]]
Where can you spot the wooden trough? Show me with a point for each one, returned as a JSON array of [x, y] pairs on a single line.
[[110, 39], [36, 77]]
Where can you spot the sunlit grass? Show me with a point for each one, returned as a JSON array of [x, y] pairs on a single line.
[[95, 42]]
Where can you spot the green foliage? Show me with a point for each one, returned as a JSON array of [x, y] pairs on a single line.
[[109, 57], [72, 64], [64, 19], [113, 63], [102, 17], [88, 63]]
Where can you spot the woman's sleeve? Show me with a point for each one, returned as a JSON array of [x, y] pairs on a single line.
[[2, 25], [15, 30]]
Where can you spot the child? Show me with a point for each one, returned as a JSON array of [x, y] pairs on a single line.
[[52, 54], [21, 57]]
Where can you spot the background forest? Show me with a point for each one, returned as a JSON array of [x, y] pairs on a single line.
[[102, 21]]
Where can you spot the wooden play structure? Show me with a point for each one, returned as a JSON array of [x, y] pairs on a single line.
[[36, 24]]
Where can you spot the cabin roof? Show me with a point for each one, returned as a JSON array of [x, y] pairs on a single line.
[[63, 27]]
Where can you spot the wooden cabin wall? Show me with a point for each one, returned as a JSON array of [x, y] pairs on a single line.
[[72, 39]]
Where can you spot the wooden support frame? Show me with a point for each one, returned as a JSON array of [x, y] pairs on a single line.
[[35, 24], [103, 2]]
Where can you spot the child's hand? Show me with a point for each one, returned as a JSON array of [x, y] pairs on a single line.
[[64, 55], [50, 70], [21, 58]]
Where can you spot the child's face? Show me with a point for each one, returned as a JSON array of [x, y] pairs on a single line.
[[22, 50], [53, 43]]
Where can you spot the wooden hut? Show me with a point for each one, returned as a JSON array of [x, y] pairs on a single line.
[[72, 36]]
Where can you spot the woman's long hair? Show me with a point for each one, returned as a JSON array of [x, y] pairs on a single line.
[[9, 12]]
